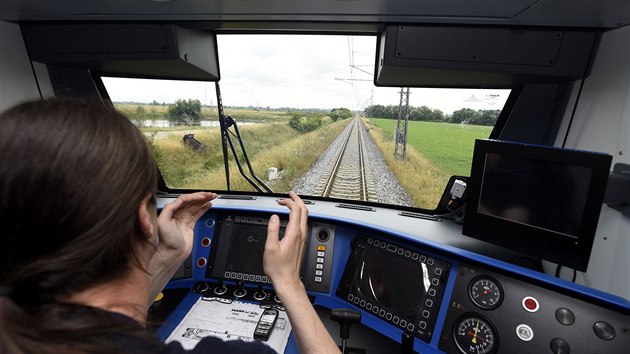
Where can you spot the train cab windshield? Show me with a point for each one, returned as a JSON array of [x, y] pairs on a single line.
[[295, 100]]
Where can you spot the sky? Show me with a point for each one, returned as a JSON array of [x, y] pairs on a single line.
[[298, 71]]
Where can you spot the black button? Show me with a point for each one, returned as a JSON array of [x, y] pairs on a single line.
[[565, 316], [604, 330], [560, 346]]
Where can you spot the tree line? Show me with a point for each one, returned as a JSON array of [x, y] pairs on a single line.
[[424, 113], [189, 111], [309, 121]]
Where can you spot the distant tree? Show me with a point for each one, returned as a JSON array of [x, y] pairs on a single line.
[[140, 111], [155, 103], [464, 115], [340, 113], [486, 117], [380, 111], [308, 122], [185, 110], [425, 113]]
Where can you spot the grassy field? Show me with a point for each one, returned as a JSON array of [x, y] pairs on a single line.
[[268, 145], [448, 146], [435, 151], [150, 112]]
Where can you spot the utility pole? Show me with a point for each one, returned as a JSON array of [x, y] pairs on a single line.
[[400, 151]]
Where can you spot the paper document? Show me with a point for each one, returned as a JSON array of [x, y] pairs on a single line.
[[229, 321]]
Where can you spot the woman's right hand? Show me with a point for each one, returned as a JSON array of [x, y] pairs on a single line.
[[282, 262], [282, 259]]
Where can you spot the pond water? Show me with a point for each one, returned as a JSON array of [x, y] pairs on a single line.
[[164, 123]]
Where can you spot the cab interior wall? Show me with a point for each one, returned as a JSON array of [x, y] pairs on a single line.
[[598, 119]]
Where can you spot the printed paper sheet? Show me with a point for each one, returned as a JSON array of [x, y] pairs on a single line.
[[228, 321]]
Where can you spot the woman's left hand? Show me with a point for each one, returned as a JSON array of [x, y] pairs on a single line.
[[175, 226], [177, 221]]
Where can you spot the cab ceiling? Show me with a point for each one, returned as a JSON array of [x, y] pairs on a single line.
[[327, 14]]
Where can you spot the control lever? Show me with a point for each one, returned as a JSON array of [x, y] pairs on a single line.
[[346, 318], [220, 289], [240, 290], [260, 294]]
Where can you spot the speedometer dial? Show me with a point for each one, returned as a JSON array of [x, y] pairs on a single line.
[[475, 335], [485, 292]]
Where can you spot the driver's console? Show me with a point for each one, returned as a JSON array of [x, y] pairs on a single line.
[[447, 300]]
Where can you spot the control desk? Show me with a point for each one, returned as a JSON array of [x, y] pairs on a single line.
[[427, 294]]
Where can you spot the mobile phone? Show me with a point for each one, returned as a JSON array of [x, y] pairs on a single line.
[[265, 324]]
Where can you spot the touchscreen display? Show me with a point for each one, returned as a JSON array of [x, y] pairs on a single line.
[[238, 247], [245, 254]]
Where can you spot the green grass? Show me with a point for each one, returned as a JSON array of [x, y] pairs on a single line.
[[151, 112], [183, 168], [448, 146], [273, 143]]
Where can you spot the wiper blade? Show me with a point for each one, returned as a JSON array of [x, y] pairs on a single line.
[[226, 122]]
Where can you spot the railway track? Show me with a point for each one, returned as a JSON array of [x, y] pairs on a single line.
[[348, 176]]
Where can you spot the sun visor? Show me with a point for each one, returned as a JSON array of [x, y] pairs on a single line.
[[163, 51], [458, 56]]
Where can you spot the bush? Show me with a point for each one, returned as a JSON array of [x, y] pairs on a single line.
[[309, 122], [140, 111], [340, 113], [185, 111]]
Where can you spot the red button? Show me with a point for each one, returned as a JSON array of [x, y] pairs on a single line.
[[205, 242], [201, 262], [530, 304]]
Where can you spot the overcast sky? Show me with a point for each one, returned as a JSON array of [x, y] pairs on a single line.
[[300, 72]]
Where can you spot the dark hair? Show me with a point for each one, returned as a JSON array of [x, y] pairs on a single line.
[[72, 176]]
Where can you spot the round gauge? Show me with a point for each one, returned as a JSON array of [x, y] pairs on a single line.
[[485, 292], [474, 334]]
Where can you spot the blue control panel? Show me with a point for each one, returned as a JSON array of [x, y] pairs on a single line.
[[411, 295]]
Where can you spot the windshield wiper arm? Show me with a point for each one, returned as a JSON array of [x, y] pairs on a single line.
[[225, 122]]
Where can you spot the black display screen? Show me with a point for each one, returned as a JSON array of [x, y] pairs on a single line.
[[400, 285], [238, 246], [246, 249], [539, 200], [543, 194], [392, 282]]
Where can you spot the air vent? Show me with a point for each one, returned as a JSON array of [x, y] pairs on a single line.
[[355, 207], [419, 216], [237, 197]]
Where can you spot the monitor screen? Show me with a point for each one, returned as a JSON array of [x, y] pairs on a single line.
[[393, 282], [400, 285], [238, 247], [542, 201]]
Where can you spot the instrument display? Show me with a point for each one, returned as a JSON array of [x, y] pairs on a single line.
[[475, 335], [491, 312], [485, 292], [238, 249]]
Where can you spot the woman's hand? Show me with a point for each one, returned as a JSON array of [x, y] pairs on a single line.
[[282, 259], [175, 226], [177, 221], [282, 262]]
